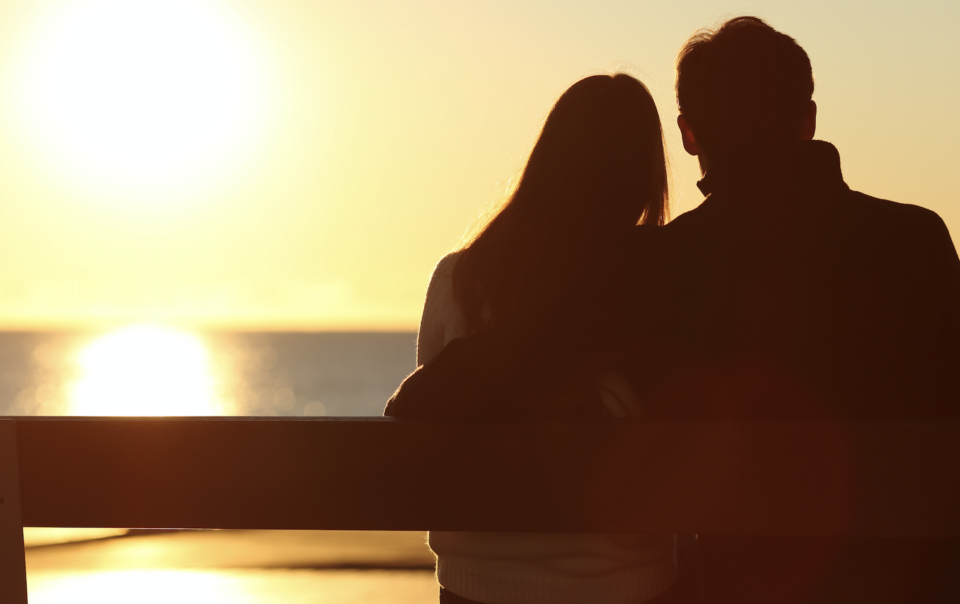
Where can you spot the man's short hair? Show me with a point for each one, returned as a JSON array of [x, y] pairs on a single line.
[[742, 85]]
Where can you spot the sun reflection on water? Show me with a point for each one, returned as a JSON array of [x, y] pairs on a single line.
[[145, 370]]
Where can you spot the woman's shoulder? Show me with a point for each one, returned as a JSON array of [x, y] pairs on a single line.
[[446, 264], [442, 320], [441, 281]]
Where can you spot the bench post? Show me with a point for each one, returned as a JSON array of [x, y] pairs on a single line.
[[13, 572]]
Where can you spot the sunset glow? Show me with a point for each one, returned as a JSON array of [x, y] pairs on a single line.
[[145, 370], [140, 97], [264, 165]]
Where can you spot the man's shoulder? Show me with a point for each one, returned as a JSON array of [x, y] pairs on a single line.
[[868, 203], [900, 220], [846, 206], [893, 210]]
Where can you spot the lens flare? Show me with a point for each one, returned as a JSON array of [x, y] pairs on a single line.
[[145, 370]]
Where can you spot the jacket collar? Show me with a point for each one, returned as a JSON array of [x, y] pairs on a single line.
[[808, 165]]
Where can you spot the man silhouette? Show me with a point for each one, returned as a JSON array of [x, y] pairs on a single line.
[[800, 299], [784, 295]]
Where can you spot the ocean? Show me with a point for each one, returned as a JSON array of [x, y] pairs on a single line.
[[153, 370]]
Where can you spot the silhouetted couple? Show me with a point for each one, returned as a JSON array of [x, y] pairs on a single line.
[[784, 295]]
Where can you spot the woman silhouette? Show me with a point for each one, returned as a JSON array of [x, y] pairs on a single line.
[[597, 170]]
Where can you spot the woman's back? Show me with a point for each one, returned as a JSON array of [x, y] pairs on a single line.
[[515, 568], [597, 170]]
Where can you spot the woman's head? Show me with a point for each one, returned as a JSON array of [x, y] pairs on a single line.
[[597, 169], [599, 156]]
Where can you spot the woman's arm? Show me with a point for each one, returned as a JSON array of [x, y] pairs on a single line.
[[440, 323]]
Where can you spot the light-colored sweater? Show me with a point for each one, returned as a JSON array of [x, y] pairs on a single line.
[[541, 568]]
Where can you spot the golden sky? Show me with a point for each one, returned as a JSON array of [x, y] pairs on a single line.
[[280, 164]]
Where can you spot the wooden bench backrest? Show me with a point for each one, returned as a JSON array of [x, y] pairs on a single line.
[[862, 479]]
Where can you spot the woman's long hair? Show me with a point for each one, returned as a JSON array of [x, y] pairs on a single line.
[[597, 169]]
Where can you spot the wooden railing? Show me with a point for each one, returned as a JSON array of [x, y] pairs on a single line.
[[861, 479]]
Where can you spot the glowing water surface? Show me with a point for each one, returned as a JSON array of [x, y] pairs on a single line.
[[161, 370], [145, 370]]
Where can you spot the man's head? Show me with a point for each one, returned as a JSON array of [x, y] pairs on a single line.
[[742, 86]]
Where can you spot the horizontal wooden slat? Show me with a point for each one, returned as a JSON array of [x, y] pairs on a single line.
[[375, 473]]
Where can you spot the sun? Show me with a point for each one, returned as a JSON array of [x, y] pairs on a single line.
[[145, 370], [142, 95]]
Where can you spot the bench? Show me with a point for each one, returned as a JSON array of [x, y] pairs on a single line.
[[872, 479]]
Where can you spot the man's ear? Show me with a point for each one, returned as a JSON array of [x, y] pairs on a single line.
[[689, 140], [809, 126]]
